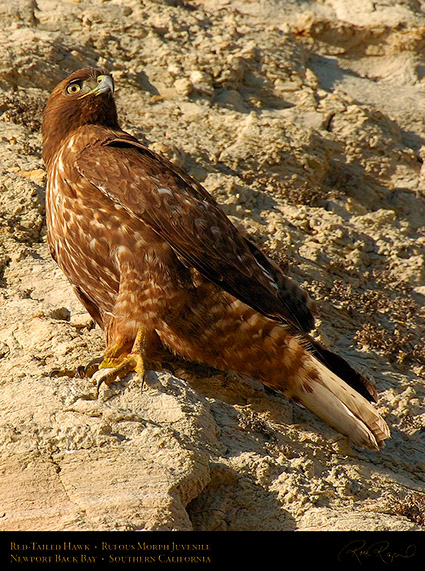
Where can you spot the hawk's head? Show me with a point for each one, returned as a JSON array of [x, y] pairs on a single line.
[[85, 97]]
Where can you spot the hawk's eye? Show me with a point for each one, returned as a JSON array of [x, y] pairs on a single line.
[[73, 88]]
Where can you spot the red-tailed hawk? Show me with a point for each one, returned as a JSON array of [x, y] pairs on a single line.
[[155, 261]]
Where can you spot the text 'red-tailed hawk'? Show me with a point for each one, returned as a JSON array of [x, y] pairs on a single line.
[[156, 262]]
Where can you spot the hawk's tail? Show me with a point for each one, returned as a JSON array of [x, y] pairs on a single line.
[[232, 336], [339, 405]]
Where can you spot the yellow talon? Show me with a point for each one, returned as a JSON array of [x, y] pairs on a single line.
[[109, 363], [139, 365], [121, 366]]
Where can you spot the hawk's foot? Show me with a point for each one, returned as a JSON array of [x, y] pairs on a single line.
[[118, 370], [120, 363], [90, 369]]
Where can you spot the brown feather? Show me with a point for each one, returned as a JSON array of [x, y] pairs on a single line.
[[193, 225], [146, 247]]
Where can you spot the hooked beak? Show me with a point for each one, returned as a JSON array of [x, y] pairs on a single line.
[[105, 83]]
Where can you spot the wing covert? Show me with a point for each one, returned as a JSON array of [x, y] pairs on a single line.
[[185, 215]]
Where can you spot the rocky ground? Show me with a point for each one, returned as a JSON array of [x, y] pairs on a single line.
[[306, 121]]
